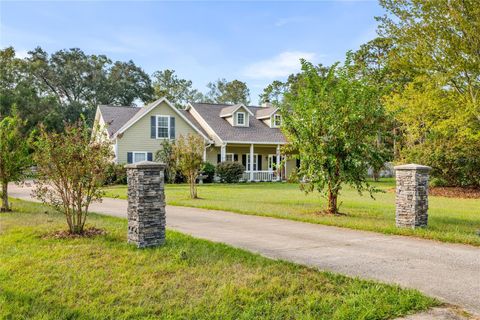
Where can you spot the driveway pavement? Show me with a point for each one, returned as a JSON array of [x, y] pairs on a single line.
[[450, 272]]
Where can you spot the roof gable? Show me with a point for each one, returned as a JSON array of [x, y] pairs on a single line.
[[230, 110], [116, 116]]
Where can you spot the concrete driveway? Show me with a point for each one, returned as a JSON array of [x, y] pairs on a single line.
[[450, 272]]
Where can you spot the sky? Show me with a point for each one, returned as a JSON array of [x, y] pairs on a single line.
[[255, 42]]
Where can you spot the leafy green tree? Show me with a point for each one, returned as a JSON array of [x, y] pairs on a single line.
[[14, 155], [166, 156], [20, 96], [438, 109], [80, 82], [188, 155], [71, 169], [178, 91], [223, 91], [331, 121]]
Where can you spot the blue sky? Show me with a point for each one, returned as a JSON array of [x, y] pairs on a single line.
[[256, 42]]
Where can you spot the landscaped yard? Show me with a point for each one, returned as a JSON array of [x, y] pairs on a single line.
[[450, 219], [105, 278]]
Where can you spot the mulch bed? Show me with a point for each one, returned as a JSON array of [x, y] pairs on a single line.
[[451, 192], [455, 192], [89, 232]]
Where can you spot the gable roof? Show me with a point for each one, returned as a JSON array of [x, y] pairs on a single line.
[[116, 116], [263, 113], [256, 132], [230, 110]]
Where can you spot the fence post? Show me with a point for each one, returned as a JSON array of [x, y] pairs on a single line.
[[411, 199], [146, 204]]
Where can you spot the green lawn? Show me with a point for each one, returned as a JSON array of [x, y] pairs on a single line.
[[450, 220], [105, 278]]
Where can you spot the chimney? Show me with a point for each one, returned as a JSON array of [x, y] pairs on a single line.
[[266, 104]]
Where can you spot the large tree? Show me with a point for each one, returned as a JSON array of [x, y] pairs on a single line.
[[438, 109], [178, 91], [20, 96], [14, 155], [80, 82], [230, 92], [331, 122]]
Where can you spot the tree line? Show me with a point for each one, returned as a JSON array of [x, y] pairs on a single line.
[[69, 84]]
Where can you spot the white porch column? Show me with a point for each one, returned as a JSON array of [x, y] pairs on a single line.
[[251, 162], [278, 163], [223, 153], [205, 154]]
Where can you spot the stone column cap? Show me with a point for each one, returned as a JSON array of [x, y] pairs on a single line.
[[412, 166], [145, 165]]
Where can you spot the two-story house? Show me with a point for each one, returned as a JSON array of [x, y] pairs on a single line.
[[248, 134]]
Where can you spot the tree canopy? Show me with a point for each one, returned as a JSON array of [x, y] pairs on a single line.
[[229, 92], [178, 91], [331, 120]]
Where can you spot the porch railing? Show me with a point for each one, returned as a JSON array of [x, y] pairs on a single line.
[[260, 176]]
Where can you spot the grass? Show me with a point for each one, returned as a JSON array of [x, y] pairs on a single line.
[[188, 278], [450, 220]]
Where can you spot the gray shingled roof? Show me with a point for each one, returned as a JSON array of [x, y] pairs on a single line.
[[257, 131], [115, 117], [265, 112], [193, 121]]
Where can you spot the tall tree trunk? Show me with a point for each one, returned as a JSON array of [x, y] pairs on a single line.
[[332, 202], [5, 206]]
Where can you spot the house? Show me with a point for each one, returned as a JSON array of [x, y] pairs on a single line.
[[247, 134]]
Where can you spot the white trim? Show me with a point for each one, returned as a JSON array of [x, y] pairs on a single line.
[[230, 114], [244, 124], [150, 107], [255, 142], [202, 121], [168, 126], [272, 120], [268, 115], [231, 154], [133, 155]]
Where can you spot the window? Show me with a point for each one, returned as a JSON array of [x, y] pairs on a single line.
[[139, 156], [277, 120], [229, 157], [255, 160], [163, 127], [241, 118]]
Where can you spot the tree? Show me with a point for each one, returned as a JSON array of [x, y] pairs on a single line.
[[166, 156], [331, 122], [81, 82], [71, 170], [20, 96], [232, 92], [14, 155], [178, 91], [438, 109], [188, 154]]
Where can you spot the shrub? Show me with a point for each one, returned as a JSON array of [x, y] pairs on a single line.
[[208, 169], [115, 174], [71, 171], [229, 172], [188, 154]]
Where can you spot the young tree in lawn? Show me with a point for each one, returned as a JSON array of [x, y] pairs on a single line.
[[14, 155], [188, 154], [71, 170], [331, 121]]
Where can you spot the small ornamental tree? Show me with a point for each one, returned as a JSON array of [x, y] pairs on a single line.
[[188, 154], [14, 155], [71, 170], [331, 120]]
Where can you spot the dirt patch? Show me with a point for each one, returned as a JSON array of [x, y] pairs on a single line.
[[451, 192], [65, 234]]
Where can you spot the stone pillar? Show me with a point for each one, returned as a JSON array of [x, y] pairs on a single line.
[[146, 204], [411, 195]]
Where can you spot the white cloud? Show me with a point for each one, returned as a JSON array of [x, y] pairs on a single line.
[[278, 66]]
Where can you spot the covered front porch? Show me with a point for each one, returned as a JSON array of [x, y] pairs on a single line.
[[262, 162]]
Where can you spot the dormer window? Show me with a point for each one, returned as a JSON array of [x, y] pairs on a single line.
[[277, 120], [240, 118]]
